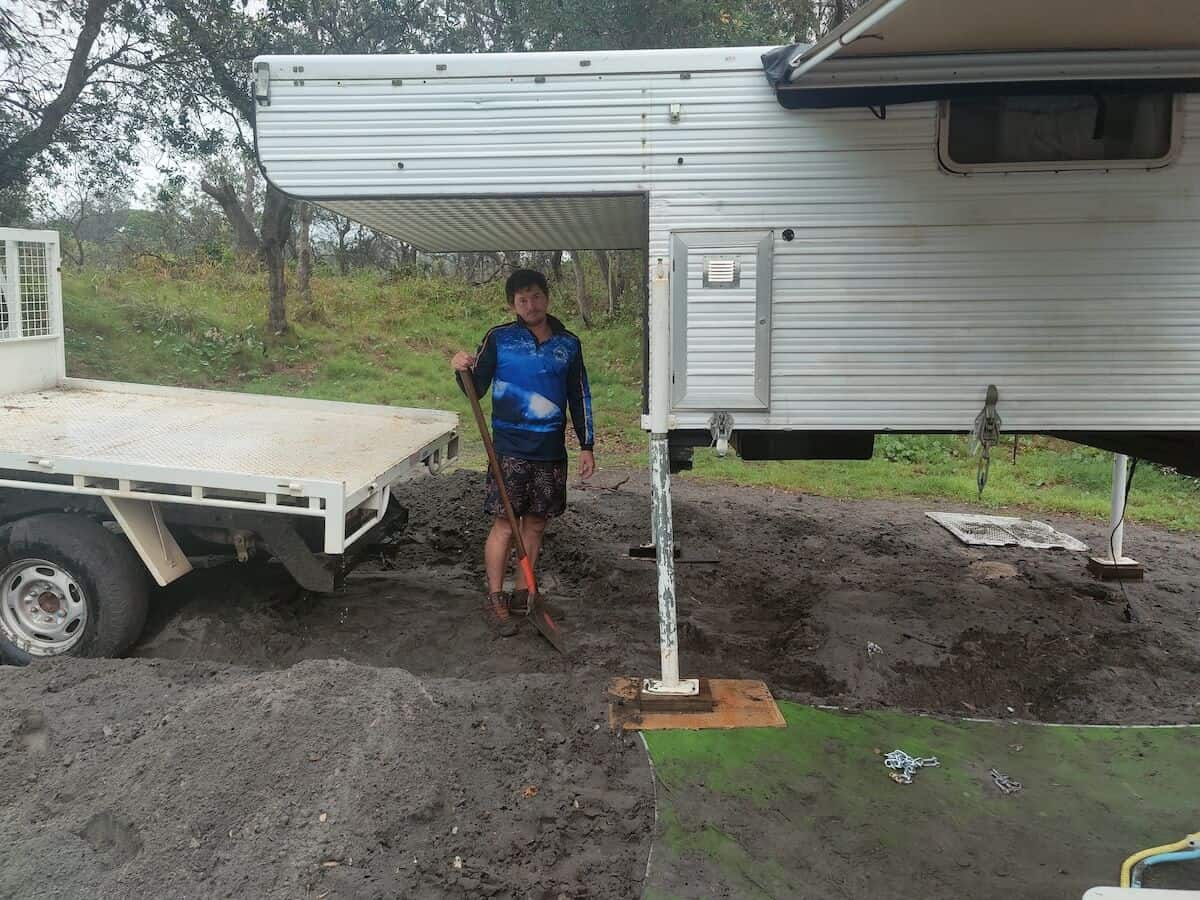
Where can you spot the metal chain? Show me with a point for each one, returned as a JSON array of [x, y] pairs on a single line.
[[905, 766], [1006, 784], [985, 435]]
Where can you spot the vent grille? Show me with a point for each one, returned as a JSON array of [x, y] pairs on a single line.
[[721, 272]]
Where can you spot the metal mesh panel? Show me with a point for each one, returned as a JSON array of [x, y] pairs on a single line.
[[4, 291], [1004, 531], [32, 266]]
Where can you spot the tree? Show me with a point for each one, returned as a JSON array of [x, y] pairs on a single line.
[[582, 298], [602, 260], [74, 83], [221, 38], [87, 202], [224, 40], [304, 257]]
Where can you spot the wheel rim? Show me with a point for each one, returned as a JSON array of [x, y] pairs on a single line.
[[43, 610]]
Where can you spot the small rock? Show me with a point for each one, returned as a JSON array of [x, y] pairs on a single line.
[[194, 843], [108, 731], [322, 817], [458, 862]]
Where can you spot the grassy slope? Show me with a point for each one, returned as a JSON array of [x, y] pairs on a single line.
[[816, 794], [374, 339]]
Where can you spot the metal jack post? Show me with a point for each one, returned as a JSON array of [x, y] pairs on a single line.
[[670, 688], [1116, 566]]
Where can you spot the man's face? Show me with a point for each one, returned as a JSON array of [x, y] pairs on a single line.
[[530, 305]]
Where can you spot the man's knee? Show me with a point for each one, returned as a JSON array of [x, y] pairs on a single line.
[[501, 528], [533, 524]]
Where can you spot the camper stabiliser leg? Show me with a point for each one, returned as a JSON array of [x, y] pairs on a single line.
[[669, 685]]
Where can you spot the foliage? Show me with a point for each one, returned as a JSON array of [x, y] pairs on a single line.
[[77, 83]]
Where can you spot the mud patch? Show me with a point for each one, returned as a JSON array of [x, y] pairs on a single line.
[[31, 733], [324, 779], [107, 834]]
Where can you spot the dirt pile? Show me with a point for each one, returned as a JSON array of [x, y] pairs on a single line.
[[158, 778]]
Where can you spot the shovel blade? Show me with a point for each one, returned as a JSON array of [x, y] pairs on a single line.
[[546, 625]]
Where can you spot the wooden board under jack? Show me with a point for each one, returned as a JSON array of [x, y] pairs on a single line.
[[736, 703], [1125, 569]]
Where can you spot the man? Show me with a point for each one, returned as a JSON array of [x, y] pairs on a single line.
[[535, 368]]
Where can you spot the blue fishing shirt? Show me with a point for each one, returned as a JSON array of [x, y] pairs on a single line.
[[533, 384]]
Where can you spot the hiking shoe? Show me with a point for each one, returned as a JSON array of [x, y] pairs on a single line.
[[519, 605], [495, 613]]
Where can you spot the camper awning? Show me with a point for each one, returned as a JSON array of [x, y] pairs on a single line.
[[901, 51]]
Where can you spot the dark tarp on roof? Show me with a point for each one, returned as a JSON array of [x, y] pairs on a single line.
[[775, 63]]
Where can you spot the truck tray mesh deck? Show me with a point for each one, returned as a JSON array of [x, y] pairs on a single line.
[[205, 432]]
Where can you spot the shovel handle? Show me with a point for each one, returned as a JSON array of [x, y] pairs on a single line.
[[468, 382]]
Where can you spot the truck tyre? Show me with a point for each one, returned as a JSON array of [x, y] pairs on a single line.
[[68, 587]]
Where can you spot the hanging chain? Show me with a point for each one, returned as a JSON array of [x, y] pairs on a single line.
[[985, 435]]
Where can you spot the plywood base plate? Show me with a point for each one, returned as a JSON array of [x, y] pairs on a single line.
[[1124, 569], [735, 704], [699, 702]]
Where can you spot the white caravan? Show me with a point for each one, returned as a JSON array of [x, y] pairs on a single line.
[[943, 217]]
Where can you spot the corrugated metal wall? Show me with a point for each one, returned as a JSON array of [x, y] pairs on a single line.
[[905, 291]]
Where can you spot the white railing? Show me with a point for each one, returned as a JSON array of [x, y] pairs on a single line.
[[30, 305], [31, 319]]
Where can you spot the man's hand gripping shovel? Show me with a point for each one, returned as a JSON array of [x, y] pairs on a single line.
[[537, 611]]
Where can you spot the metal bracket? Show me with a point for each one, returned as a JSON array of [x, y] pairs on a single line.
[[676, 109], [142, 522], [262, 83], [686, 687], [720, 426]]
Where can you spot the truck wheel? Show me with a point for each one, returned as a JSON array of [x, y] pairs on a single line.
[[68, 586]]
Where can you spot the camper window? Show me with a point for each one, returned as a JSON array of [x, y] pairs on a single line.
[[1086, 131]]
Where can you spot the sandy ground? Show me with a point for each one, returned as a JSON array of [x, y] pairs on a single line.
[[802, 585], [326, 779], [389, 710]]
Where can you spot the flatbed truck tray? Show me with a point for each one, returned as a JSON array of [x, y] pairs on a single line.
[[102, 482], [312, 458]]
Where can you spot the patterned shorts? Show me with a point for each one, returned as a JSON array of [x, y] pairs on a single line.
[[535, 487]]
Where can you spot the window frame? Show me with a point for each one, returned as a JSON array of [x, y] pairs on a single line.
[[947, 164]]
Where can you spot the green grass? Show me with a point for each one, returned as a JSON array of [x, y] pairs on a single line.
[[761, 809], [375, 338], [1048, 475], [368, 338]]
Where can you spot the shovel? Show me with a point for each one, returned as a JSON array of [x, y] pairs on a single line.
[[537, 611]]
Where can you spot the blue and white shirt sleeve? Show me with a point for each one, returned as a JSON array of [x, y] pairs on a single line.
[[485, 365], [579, 397]]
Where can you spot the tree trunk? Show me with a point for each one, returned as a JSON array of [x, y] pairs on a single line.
[[341, 253], [606, 274], [620, 263], [581, 294], [276, 226], [304, 256], [245, 239], [250, 182], [556, 264]]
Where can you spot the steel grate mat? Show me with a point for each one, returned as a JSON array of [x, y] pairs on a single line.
[[1005, 531]]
